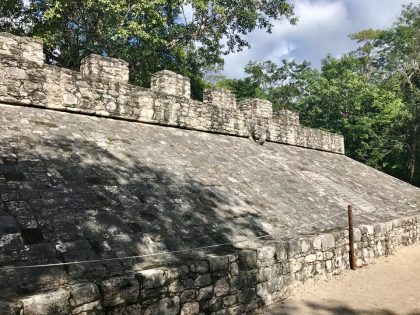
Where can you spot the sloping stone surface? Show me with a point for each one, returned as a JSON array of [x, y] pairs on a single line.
[[75, 187]]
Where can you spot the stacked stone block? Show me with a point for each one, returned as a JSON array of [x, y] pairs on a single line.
[[101, 88], [168, 82], [26, 48], [286, 117], [220, 97], [257, 108], [237, 283], [95, 67]]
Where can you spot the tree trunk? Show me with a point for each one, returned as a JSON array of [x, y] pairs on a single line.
[[413, 156]]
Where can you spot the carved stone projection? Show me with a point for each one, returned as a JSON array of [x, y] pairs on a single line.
[[101, 88]]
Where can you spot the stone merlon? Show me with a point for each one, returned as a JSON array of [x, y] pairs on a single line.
[[96, 67], [101, 88]]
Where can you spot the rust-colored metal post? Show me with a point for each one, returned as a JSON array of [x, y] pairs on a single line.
[[351, 239]]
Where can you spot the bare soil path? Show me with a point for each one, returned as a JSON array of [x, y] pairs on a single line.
[[389, 286]]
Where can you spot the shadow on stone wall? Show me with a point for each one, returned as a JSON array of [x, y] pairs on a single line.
[[66, 200]]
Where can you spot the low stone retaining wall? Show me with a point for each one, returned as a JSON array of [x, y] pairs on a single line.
[[237, 283]]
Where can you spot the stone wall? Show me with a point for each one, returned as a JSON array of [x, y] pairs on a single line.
[[101, 88], [236, 283]]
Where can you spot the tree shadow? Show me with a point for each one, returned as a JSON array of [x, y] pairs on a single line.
[[65, 199], [308, 307]]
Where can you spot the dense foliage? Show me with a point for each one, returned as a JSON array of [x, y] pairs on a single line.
[[371, 95], [180, 35]]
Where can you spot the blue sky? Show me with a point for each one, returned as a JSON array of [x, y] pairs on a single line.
[[323, 27]]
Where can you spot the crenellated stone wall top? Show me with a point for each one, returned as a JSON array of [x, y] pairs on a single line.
[[101, 88]]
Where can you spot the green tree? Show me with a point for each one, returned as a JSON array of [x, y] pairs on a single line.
[[395, 55], [242, 88], [151, 35], [341, 98], [281, 84]]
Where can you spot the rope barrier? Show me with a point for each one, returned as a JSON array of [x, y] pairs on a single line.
[[201, 248]]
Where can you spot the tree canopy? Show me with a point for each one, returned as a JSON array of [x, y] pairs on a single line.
[[186, 36]]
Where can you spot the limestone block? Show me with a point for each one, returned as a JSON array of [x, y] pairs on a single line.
[[199, 267], [11, 242], [96, 67], [328, 255], [229, 300], [247, 259], [319, 268], [317, 242], [190, 309], [311, 258], [338, 262], [357, 235], [70, 99], [293, 248], [202, 281], [188, 295], [152, 278], [309, 271], [286, 117], [218, 263], [173, 274], [234, 269], [266, 252], [52, 303], [120, 290], [256, 108], [281, 251], [296, 264], [327, 241], [319, 256], [264, 274], [175, 287], [220, 97], [236, 310], [305, 245], [369, 229], [221, 287], [91, 306], [164, 306], [205, 293], [84, 293], [213, 306], [168, 82], [22, 212], [26, 48], [244, 296]]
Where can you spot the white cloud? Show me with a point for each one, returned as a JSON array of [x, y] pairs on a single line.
[[323, 27]]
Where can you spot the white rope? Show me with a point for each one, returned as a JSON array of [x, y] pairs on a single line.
[[175, 251], [166, 252]]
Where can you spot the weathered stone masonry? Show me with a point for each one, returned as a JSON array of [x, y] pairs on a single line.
[[237, 283], [63, 176], [101, 88]]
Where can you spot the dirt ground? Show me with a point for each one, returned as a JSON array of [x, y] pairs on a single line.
[[389, 286]]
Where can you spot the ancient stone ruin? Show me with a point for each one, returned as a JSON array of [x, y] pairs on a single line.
[[118, 199]]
